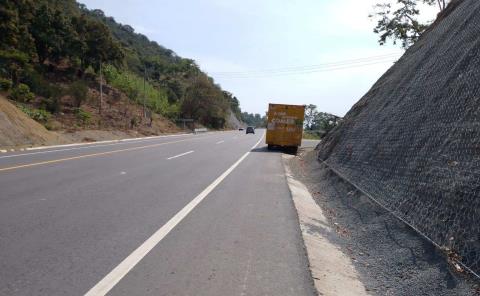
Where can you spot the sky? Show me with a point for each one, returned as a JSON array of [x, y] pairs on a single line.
[[269, 51]]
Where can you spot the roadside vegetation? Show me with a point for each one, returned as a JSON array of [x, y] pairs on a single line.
[[311, 135], [39, 115], [317, 124], [399, 20], [255, 120], [55, 53]]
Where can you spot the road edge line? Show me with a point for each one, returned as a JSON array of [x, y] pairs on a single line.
[[104, 142], [33, 164], [122, 269]]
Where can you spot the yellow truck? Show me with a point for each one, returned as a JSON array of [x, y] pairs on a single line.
[[285, 126]]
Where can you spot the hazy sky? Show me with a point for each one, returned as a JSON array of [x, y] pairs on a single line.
[[261, 40]]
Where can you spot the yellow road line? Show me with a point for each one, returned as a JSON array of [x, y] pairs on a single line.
[[87, 155]]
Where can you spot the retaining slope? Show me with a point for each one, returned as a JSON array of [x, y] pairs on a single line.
[[413, 141]]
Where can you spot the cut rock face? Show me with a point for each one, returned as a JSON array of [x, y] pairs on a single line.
[[413, 141]]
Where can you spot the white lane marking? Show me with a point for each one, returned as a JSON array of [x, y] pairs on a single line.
[[117, 141], [104, 142], [77, 148], [180, 155], [111, 279], [123, 173], [220, 142]]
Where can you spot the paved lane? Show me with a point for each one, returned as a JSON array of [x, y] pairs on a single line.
[[65, 225], [243, 239]]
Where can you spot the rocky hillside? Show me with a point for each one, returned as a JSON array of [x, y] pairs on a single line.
[[412, 143]]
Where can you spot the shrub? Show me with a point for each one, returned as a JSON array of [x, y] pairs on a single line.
[[79, 91], [5, 84], [40, 86], [133, 86], [21, 93], [83, 116], [52, 105], [36, 114]]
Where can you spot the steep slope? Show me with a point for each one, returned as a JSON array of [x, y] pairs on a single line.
[[413, 141], [17, 129]]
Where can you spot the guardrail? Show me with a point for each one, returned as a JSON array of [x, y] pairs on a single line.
[[200, 130]]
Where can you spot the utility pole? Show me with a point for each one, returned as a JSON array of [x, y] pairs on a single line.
[[101, 88], [144, 91]]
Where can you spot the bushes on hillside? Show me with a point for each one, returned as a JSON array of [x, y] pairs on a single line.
[[40, 86], [79, 92], [52, 105], [83, 116], [36, 114], [22, 93], [5, 84], [133, 86]]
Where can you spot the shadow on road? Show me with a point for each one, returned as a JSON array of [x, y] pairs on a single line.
[[274, 150]]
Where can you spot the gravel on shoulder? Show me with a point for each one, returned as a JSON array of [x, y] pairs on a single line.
[[390, 257]]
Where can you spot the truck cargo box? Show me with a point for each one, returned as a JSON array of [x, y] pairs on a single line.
[[285, 125]]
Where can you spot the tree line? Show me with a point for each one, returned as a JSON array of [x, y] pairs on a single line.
[[254, 119], [39, 38]]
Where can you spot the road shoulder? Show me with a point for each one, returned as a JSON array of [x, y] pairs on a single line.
[[332, 270], [389, 257]]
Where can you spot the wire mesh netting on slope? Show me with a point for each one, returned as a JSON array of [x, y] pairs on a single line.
[[413, 141]]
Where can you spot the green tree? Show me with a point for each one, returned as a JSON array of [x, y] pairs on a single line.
[[324, 122], [43, 32], [8, 25], [93, 43], [79, 91], [204, 102], [100, 46], [15, 37], [398, 21], [310, 115], [13, 64], [234, 104]]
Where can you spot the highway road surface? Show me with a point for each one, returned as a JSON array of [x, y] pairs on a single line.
[[206, 214]]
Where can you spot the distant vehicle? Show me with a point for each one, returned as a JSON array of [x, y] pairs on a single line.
[[240, 128], [285, 126], [250, 130]]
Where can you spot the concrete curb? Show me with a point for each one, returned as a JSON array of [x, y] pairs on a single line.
[[332, 271]]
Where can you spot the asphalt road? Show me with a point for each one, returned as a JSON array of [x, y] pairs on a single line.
[[178, 215]]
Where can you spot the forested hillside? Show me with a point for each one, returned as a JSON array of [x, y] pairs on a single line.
[[52, 53]]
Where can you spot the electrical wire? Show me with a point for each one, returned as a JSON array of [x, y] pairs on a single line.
[[295, 68], [327, 67]]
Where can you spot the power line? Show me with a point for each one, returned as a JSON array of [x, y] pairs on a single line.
[[310, 68], [307, 71]]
